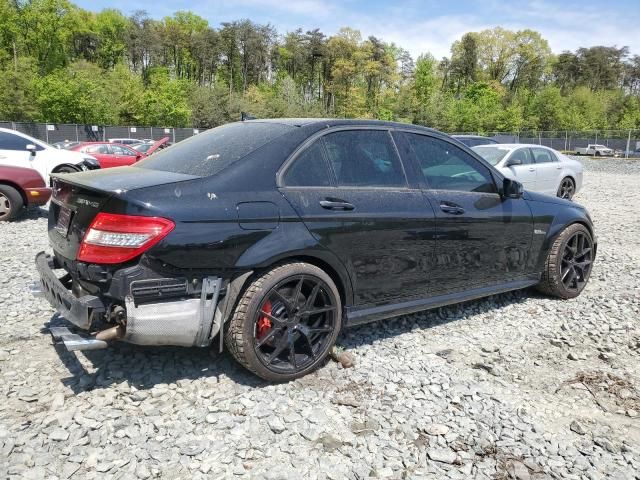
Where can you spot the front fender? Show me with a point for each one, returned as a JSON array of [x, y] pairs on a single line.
[[550, 219]]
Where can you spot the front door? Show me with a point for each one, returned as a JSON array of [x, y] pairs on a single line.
[[350, 189], [13, 151], [481, 238], [123, 156], [524, 172], [548, 170]]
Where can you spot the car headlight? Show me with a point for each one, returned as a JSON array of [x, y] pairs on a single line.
[[89, 163]]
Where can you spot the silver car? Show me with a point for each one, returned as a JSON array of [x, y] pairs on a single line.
[[538, 168]]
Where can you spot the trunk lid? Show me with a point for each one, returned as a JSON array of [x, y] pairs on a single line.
[[77, 198]]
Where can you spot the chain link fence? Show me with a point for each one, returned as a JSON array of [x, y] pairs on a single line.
[[626, 142], [52, 133]]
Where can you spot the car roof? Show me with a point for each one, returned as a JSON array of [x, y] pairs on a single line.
[[337, 122], [473, 136], [513, 146]]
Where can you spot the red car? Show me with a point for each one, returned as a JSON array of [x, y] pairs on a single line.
[[114, 154], [20, 187]]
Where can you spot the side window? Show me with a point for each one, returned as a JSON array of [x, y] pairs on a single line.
[[447, 167], [543, 155], [103, 149], [309, 169], [9, 141], [364, 158], [118, 150], [522, 154]]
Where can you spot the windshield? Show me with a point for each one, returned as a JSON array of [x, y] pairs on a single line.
[[492, 154], [209, 152]]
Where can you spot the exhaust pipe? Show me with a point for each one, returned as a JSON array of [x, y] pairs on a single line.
[[111, 334]]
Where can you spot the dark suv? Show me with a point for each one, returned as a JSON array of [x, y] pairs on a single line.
[[276, 234]]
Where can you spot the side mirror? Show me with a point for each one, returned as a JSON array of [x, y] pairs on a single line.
[[138, 156], [30, 147], [513, 161], [512, 188]]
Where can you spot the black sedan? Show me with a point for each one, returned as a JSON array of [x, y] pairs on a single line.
[[274, 235]]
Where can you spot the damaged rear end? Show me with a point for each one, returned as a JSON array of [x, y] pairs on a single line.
[[103, 277]]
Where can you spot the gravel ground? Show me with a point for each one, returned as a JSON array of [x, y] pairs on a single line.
[[513, 386]]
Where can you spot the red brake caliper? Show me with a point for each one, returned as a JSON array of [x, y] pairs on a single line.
[[264, 324]]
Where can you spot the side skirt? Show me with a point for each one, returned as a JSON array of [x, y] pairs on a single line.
[[360, 315]]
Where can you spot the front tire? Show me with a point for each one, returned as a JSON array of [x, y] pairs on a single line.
[[286, 322], [67, 169], [11, 203], [568, 265]]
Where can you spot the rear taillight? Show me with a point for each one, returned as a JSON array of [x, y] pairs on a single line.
[[113, 238]]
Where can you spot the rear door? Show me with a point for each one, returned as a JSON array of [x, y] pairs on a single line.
[[548, 170], [481, 238], [350, 189]]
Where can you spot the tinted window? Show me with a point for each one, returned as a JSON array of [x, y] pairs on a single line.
[[543, 155], [103, 149], [447, 167], [209, 152], [309, 169], [364, 158], [522, 154], [9, 141]]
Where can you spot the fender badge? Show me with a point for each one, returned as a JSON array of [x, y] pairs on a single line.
[[537, 231]]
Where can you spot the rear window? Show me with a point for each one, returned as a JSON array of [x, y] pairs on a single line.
[[209, 152]]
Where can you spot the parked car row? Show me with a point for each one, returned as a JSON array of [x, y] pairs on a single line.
[[111, 154], [24, 159]]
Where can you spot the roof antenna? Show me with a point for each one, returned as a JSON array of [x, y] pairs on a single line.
[[246, 116]]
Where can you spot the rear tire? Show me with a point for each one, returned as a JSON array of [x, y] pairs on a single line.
[[569, 263], [11, 203], [598, 154], [285, 322], [567, 188]]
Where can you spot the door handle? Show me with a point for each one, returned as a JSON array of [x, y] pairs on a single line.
[[335, 204], [531, 169], [451, 209]]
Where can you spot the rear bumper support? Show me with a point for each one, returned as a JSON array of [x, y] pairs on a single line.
[[183, 321], [78, 310]]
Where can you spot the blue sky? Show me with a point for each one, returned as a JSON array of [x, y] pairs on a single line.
[[420, 26]]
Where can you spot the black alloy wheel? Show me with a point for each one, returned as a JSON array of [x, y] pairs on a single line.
[[294, 324], [285, 322], [577, 258], [569, 263], [567, 188]]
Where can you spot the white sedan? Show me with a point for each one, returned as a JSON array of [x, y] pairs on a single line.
[[18, 149], [538, 168]]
